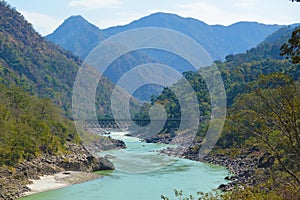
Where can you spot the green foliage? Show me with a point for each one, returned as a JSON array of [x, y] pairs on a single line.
[[236, 77], [244, 192], [36, 75], [292, 48], [30, 126], [200, 196], [179, 195], [271, 115], [40, 67], [238, 73], [263, 110]]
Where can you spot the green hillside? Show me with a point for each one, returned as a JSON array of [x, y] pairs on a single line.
[[38, 136], [262, 125], [238, 71], [40, 67], [30, 127]]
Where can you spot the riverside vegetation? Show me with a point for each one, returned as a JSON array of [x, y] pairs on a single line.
[[38, 136], [261, 134], [260, 141]]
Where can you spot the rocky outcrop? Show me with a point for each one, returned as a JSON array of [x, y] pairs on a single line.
[[162, 138], [250, 167], [106, 143], [83, 160], [244, 168], [12, 185], [103, 164], [13, 181]]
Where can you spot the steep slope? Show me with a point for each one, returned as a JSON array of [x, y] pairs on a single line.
[[257, 141], [268, 49], [39, 66], [80, 37], [30, 61], [217, 40], [36, 136], [238, 72], [77, 35]]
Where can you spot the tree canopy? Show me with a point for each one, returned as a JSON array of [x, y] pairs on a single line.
[[291, 49], [30, 126]]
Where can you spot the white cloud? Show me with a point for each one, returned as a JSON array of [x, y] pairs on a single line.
[[120, 18], [245, 4], [95, 4], [42, 23], [230, 11], [209, 13]]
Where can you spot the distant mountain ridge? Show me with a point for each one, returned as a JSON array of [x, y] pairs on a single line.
[[218, 40], [79, 36]]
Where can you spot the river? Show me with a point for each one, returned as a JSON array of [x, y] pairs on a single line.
[[142, 174]]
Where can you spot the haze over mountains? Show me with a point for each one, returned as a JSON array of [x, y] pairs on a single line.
[[37, 65], [80, 37], [259, 142]]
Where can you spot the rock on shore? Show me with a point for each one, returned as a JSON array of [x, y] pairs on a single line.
[[244, 167], [13, 181]]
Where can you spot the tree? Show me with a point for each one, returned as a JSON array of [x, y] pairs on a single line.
[[292, 48], [271, 114]]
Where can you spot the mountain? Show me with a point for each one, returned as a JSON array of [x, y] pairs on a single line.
[[262, 92], [239, 73], [80, 37], [77, 35], [29, 61], [218, 40], [268, 49], [39, 66], [36, 82]]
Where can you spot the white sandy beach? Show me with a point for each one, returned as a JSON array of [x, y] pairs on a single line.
[[59, 180]]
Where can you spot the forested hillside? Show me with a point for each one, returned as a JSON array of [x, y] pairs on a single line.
[[239, 70], [31, 127], [36, 79], [79, 36], [40, 67], [262, 125], [29, 61], [38, 136]]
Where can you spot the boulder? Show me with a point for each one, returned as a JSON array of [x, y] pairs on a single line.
[[103, 164]]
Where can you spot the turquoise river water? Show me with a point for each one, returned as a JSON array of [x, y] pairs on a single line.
[[142, 174]]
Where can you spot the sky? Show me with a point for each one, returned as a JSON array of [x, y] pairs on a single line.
[[46, 16]]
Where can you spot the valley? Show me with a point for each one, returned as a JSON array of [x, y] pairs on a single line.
[[164, 106]]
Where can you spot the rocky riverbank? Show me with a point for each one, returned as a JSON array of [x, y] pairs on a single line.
[[247, 170], [104, 141], [249, 167], [13, 181]]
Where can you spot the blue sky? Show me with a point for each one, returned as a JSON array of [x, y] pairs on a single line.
[[48, 15]]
